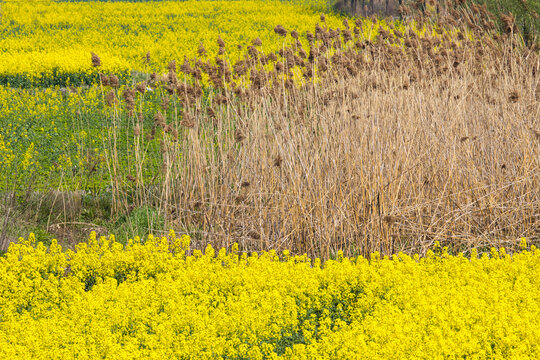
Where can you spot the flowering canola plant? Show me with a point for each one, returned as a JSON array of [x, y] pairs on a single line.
[[44, 132], [54, 136], [49, 43], [159, 299]]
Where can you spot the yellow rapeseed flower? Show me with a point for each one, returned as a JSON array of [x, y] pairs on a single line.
[[158, 299]]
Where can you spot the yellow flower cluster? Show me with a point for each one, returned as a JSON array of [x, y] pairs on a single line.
[[6, 153], [158, 299], [48, 133], [49, 41]]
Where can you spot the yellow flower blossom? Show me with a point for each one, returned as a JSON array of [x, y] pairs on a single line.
[[158, 299], [50, 42]]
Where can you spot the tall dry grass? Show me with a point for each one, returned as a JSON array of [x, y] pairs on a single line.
[[388, 148]]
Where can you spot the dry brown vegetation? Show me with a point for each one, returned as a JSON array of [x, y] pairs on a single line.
[[397, 143]]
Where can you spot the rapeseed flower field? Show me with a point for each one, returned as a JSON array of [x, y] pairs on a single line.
[[54, 108], [160, 299], [397, 160], [50, 43]]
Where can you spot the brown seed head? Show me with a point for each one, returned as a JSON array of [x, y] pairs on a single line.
[[280, 30], [220, 99], [239, 198], [253, 52], [163, 147], [110, 98], [104, 80], [294, 34], [239, 136], [188, 121], [159, 119], [404, 10], [201, 51], [257, 42], [384, 33], [514, 96], [319, 32], [129, 98], [96, 61], [509, 23], [141, 87], [346, 35], [390, 220], [186, 67], [278, 160], [220, 42], [240, 67], [114, 81]]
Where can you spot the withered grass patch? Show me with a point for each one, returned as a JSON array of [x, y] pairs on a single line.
[[386, 145]]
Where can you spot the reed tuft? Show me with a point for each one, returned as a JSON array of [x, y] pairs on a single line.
[[280, 30], [96, 61]]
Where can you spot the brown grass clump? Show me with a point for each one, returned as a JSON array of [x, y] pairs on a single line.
[[379, 148]]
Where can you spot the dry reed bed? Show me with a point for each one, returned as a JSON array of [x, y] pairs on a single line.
[[390, 149]]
